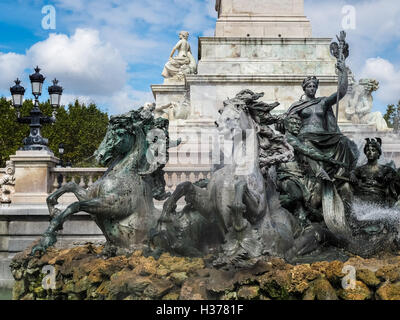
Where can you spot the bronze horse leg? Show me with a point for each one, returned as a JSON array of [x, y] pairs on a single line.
[[49, 237], [79, 192], [238, 208]]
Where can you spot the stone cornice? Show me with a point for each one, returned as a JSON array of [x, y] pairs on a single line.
[[167, 88], [264, 40], [192, 79]]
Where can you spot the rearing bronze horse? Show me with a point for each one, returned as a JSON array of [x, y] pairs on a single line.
[[121, 201]]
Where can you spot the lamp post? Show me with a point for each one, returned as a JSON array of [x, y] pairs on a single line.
[[60, 164], [61, 153], [35, 141]]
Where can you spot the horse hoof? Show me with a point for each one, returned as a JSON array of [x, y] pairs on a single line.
[[37, 248], [52, 201]]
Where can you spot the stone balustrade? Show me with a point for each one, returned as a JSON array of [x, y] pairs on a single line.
[[85, 177], [175, 175]]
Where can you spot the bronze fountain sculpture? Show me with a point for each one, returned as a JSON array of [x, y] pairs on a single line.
[[288, 195], [120, 202]]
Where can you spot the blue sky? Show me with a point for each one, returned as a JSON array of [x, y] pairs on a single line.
[[111, 51]]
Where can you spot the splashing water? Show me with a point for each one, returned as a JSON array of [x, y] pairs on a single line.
[[374, 212]]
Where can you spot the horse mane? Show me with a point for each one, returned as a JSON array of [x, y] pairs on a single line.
[[140, 145], [122, 121]]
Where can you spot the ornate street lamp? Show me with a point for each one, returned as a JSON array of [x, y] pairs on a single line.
[[35, 141], [37, 80], [17, 93], [55, 92], [61, 153]]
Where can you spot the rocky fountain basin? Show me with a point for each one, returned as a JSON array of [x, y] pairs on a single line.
[[81, 273]]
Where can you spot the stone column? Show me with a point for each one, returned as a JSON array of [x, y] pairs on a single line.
[[32, 176], [262, 19]]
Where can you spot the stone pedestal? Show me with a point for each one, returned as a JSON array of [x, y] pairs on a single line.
[[166, 93], [32, 176], [276, 67], [390, 140], [261, 45], [262, 18], [198, 137]]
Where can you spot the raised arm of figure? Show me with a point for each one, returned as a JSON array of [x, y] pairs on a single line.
[[343, 85], [177, 47]]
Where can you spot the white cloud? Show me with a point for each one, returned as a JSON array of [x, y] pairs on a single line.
[[107, 36], [197, 17], [388, 76], [12, 66], [127, 99], [134, 48], [376, 26], [83, 63], [89, 69], [120, 102], [68, 98], [376, 30], [144, 31], [72, 4]]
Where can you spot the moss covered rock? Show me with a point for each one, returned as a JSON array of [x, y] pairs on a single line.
[[320, 289], [389, 291], [360, 292], [82, 274]]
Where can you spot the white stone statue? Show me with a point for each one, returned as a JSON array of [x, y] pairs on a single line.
[[358, 105], [7, 183], [175, 110], [183, 63]]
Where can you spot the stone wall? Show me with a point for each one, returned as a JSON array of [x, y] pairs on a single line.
[[20, 225], [81, 274], [276, 67]]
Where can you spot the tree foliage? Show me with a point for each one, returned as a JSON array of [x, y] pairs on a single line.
[[391, 111], [79, 127]]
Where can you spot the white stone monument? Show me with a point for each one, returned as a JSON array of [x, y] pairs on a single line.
[[262, 19], [262, 45]]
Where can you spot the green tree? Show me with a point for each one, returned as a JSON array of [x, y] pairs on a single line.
[[11, 133], [391, 112], [81, 128]]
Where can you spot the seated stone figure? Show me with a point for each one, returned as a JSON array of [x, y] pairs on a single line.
[[358, 105], [299, 179], [183, 63], [376, 183]]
